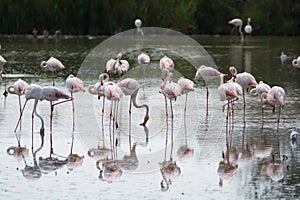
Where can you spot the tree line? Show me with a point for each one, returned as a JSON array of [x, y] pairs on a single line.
[[98, 17]]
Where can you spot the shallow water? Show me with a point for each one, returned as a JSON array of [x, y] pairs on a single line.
[[251, 147]]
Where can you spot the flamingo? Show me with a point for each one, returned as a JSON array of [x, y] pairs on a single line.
[[294, 134], [275, 97], [33, 91], [53, 65], [246, 80], [121, 65], [51, 93], [2, 71], [260, 88], [110, 65], [166, 62], [74, 84], [237, 26], [131, 87], [282, 57], [170, 90], [187, 86], [248, 27], [138, 24], [207, 73], [143, 59], [296, 62], [18, 88]]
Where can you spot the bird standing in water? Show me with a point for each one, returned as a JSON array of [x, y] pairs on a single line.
[[2, 71], [53, 65], [294, 134], [74, 85]]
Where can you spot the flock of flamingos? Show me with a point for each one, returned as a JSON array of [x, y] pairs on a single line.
[[229, 91]]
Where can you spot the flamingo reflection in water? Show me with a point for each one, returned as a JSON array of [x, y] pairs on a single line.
[[168, 168], [263, 149], [18, 152], [275, 166], [185, 152], [33, 172], [18, 88]]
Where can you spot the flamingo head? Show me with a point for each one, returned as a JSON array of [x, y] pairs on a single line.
[[296, 62], [233, 71]]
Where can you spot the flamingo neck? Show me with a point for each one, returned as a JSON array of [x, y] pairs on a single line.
[[39, 116], [133, 99]]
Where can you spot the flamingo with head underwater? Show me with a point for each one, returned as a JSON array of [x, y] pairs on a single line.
[[131, 87]]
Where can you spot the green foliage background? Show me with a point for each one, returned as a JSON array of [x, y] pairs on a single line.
[[98, 17]]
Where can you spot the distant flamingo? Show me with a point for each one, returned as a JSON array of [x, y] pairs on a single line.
[[74, 84], [260, 88], [53, 65], [207, 73], [131, 87], [275, 98], [33, 91], [246, 80], [166, 63], [237, 26], [187, 86], [138, 24], [296, 62], [248, 27], [282, 57], [18, 88], [2, 71]]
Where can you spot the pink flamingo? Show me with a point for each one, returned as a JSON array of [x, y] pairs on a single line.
[[53, 65], [2, 71], [74, 84], [18, 88], [275, 97], [122, 66], [237, 26], [110, 66], [296, 62], [131, 87], [260, 88], [166, 63], [187, 86], [170, 90], [33, 91], [246, 80], [143, 59], [207, 73]]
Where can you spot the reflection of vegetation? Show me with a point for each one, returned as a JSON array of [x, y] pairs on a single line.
[[108, 17]]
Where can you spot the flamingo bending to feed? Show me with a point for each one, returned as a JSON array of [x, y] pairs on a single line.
[[131, 87], [74, 84], [275, 97], [187, 86], [2, 71], [246, 80], [260, 88], [296, 62], [53, 65], [33, 91], [110, 66], [237, 26], [121, 65], [207, 73], [18, 88]]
